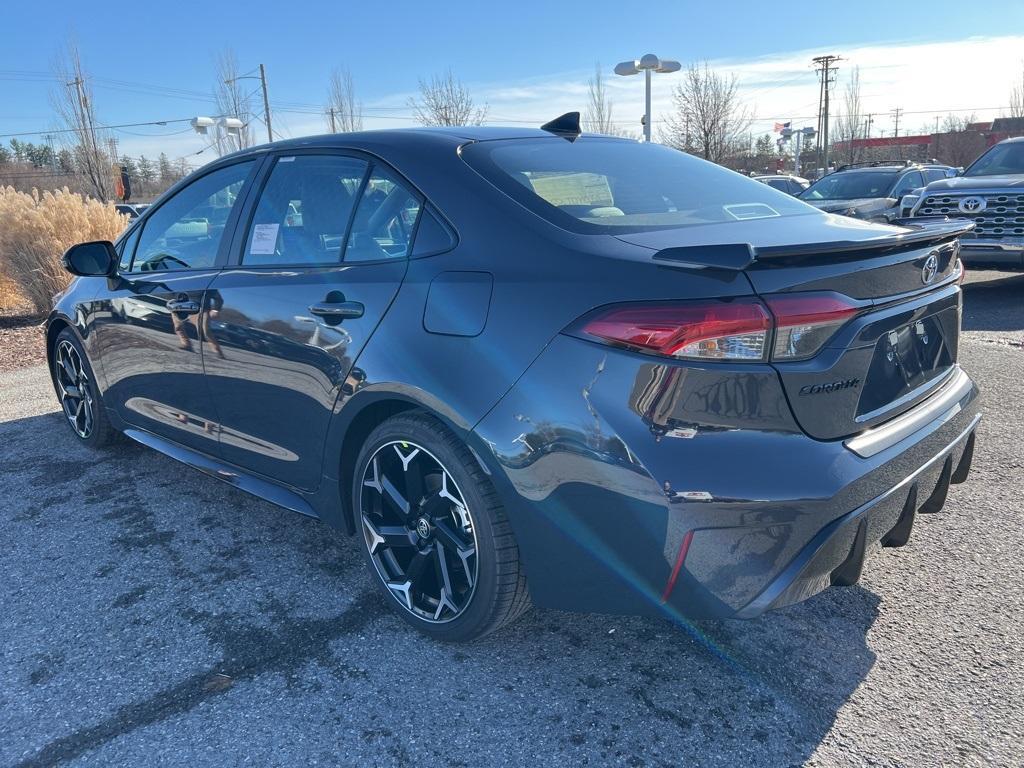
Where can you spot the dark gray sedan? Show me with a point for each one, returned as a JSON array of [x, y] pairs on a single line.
[[529, 366]]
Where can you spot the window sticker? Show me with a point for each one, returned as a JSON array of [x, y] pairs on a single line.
[[264, 239]]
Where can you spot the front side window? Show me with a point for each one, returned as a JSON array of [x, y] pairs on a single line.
[[611, 186], [908, 183], [1000, 160], [186, 231], [126, 249], [304, 211]]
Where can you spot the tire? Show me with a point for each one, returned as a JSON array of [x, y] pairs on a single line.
[[428, 577], [89, 425]]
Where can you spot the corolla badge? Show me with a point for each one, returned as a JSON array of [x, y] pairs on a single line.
[[972, 205], [930, 269]]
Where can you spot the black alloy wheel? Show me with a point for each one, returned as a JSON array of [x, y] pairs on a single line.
[[74, 388], [418, 531], [78, 391], [435, 532]]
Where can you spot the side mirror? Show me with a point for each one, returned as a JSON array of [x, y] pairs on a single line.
[[95, 259]]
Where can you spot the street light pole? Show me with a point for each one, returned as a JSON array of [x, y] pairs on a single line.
[[647, 64], [647, 106]]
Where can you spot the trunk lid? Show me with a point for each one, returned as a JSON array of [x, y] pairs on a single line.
[[901, 345]]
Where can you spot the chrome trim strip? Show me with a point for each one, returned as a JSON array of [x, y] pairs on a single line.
[[945, 403]]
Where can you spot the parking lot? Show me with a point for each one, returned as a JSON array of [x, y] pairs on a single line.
[[152, 615]]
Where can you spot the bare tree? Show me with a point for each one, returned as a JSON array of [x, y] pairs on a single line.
[[957, 144], [1017, 97], [444, 100], [72, 100], [232, 98], [850, 125], [598, 117], [344, 110], [708, 118]]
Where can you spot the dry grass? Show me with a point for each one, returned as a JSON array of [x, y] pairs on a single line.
[[11, 300], [36, 229]]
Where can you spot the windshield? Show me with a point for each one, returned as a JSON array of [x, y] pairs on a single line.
[[596, 185], [1000, 160], [850, 185]]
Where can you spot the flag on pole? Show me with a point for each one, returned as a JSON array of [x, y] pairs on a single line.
[[779, 127]]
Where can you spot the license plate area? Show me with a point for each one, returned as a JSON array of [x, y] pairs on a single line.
[[906, 359]]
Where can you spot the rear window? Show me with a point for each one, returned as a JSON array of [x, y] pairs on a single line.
[[607, 185]]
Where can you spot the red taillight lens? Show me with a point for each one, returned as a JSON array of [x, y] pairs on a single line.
[[738, 329], [715, 330], [804, 322]]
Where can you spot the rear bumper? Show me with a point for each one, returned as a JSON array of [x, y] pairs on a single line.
[[608, 462], [992, 251]]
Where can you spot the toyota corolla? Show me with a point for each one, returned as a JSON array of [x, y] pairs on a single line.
[[533, 367]]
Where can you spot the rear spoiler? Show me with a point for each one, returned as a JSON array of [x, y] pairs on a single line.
[[739, 256]]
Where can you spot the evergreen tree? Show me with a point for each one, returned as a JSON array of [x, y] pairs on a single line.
[[5, 155], [166, 170], [66, 161], [128, 163], [146, 170]]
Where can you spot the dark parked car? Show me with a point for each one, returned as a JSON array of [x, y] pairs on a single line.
[[872, 190], [990, 193], [792, 185], [128, 210], [528, 366]]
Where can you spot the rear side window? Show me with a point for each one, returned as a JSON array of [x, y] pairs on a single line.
[[609, 185], [385, 219], [304, 211], [186, 231], [432, 235]]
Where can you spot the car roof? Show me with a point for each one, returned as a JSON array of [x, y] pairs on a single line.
[[453, 136], [910, 166]]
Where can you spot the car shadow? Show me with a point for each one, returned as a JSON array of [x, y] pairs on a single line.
[[143, 591]]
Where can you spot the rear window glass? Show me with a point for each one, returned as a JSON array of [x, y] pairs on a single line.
[[606, 185]]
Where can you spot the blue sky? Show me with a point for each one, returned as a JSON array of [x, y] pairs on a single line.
[[527, 60]]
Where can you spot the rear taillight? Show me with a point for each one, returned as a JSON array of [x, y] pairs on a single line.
[[790, 327], [804, 322], [715, 330]]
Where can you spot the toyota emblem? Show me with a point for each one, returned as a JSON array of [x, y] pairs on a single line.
[[972, 205], [930, 268]]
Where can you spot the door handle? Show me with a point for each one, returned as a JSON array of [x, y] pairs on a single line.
[[183, 305], [338, 310]]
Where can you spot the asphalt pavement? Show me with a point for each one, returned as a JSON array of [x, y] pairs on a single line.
[[153, 616]]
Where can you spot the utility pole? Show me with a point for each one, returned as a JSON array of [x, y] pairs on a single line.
[[868, 123], [333, 128], [266, 102], [896, 127], [826, 67]]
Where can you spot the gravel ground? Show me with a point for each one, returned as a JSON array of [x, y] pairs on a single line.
[[21, 340], [154, 616]]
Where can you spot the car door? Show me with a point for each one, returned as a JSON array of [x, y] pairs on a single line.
[[151, 338], [315, 268]]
